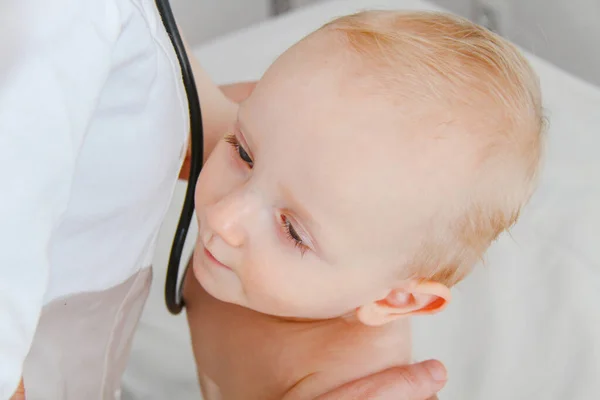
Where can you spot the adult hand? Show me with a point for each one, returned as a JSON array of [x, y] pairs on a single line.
[[419, 381], [20, 393]]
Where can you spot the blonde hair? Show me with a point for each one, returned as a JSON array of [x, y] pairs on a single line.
[[452, 59]]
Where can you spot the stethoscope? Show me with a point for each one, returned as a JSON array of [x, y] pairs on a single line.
[[173, 293]]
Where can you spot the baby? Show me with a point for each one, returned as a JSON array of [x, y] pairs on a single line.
[[367, 173]]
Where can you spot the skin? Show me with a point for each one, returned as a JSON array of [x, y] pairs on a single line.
[[20, 393], [411, 382], [282, 198], [235, 93]]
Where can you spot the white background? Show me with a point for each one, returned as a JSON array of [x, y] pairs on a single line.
[[566, 32]]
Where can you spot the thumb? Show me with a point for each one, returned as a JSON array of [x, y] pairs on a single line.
[[419, 381], [415, 382], [20, 393]]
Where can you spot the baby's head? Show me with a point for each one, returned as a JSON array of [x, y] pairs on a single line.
[[370, 169]]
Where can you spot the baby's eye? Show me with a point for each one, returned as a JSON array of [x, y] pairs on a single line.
[[293, 235], [242, 153]]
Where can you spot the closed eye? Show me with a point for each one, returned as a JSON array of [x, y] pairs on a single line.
[[293, 235], [242, 153]]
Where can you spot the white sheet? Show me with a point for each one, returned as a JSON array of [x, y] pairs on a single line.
[[525, 326]]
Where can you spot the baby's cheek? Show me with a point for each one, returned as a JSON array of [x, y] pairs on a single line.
[[267, 288]]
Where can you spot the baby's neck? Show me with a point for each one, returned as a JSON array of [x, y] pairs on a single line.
[[347, 321], [248, 355], [344, 349], [348, 331]]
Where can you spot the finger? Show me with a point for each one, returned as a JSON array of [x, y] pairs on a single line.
[[412, 382], [20, 393], [415, 382]]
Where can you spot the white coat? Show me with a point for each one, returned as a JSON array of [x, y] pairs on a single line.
[[93, 129]]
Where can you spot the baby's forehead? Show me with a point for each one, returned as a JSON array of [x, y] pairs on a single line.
[[371, 184], [369, 164], [376, 172]]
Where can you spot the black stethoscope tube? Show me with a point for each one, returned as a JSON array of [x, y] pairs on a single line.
[[173, 294]]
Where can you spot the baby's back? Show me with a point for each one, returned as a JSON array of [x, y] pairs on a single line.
[[245, 355]]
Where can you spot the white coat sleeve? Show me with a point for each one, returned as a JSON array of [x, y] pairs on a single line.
[[54, 63]]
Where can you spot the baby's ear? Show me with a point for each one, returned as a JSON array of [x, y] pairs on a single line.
[[416, 298]]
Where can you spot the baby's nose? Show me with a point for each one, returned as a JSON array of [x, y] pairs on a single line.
[[228, 218]]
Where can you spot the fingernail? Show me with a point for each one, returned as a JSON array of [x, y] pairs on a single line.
[[437, 371]]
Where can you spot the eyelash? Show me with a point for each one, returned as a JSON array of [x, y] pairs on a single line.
[[288, 229], [235, 143], [292, 234]]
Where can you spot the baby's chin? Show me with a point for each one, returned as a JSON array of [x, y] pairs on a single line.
[[214, 284]]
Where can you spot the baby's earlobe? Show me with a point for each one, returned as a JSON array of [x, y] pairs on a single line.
[[374, 314]]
